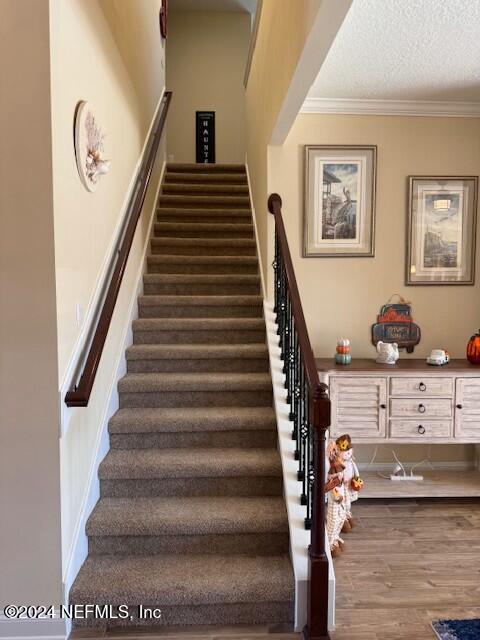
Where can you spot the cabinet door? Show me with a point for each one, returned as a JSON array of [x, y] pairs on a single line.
[[467, 408], [359, 407]]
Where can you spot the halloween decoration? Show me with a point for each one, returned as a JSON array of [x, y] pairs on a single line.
[[438, 357], [343, 355], [351, 480], [387, 352], [89, 148], [342, 487], [473, 349], [335, 490], [395, 324]]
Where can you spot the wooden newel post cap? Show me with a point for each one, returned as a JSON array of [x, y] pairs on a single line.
[[274, 200]]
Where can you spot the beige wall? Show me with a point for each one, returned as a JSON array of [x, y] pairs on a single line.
[[207, 54], [85, 223], [135, 27], [341, 297], [116, 63], [30, 559], [283, 28]]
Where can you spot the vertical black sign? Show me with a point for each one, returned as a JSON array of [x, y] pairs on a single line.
[[206, 137]]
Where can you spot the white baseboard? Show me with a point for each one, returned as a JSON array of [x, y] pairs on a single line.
[[254, 216], [66, 412], [79, 548], [44, 629], [299, 536]]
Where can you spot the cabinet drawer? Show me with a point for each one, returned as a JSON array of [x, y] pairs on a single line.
[[420, 407], [421, 430], [421, 386]]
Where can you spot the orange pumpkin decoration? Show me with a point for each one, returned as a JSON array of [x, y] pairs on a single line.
[[473, 349], [357, 483]]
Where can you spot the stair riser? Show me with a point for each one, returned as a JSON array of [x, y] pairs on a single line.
[[202, 269], [197, 232], [199, 250], [218, 614], [256, 439], [207, 178], [250, 544], [191, 311], [189, 189], [206, 169], [258, 398], [206, 202], [202, 365], [228, 217], [199, 337], [201, 289], [223, 486]]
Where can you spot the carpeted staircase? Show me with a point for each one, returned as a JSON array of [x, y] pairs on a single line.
[[191, 518]]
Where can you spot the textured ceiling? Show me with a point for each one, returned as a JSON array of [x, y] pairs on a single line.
[[213, 5], [405, 50]]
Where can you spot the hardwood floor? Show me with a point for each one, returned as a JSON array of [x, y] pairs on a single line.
[[406, 563]]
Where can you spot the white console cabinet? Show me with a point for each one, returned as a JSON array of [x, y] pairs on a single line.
[[409, 402]]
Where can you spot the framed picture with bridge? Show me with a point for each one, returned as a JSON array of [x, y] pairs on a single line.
[[339, 208], [441, 230]]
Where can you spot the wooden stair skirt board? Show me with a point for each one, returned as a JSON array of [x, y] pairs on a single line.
[[191, 518]]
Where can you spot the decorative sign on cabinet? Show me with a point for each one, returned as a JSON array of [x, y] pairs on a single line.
[[409, 402]]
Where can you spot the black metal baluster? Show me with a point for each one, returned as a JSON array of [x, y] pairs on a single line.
[[312, 434]]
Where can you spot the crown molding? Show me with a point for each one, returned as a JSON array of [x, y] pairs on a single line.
[[391, 107]]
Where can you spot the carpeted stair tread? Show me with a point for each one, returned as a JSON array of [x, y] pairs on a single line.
[[187, 516], [195, 351], [204, 189], [204, 177], [192, 419], [199, 264], [242, 215], [183, 580], [195, 324], [201, 229], [202, 278], [196, 301], [204, 246], [174, 382], [214, 201], [185, 167], [189, 463]]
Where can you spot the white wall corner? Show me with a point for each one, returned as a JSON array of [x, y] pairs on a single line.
[[39, 629], [79, 548], [254, 216], [299, 536], [323, 32]]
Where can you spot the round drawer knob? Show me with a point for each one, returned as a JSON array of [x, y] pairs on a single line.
[[383, 406], [422, 386], [421, 408], [421, 429], [459, 406]]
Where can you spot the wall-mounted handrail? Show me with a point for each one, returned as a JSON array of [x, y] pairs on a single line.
[[310, 414], [82, 383]]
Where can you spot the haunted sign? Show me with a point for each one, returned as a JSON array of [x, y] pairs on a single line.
[[206, 136]]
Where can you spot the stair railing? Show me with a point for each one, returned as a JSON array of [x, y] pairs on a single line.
[[84, 377], [310, 415]]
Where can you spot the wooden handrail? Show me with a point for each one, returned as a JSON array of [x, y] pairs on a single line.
[[275, 207], [318, 422], [79, 393]]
